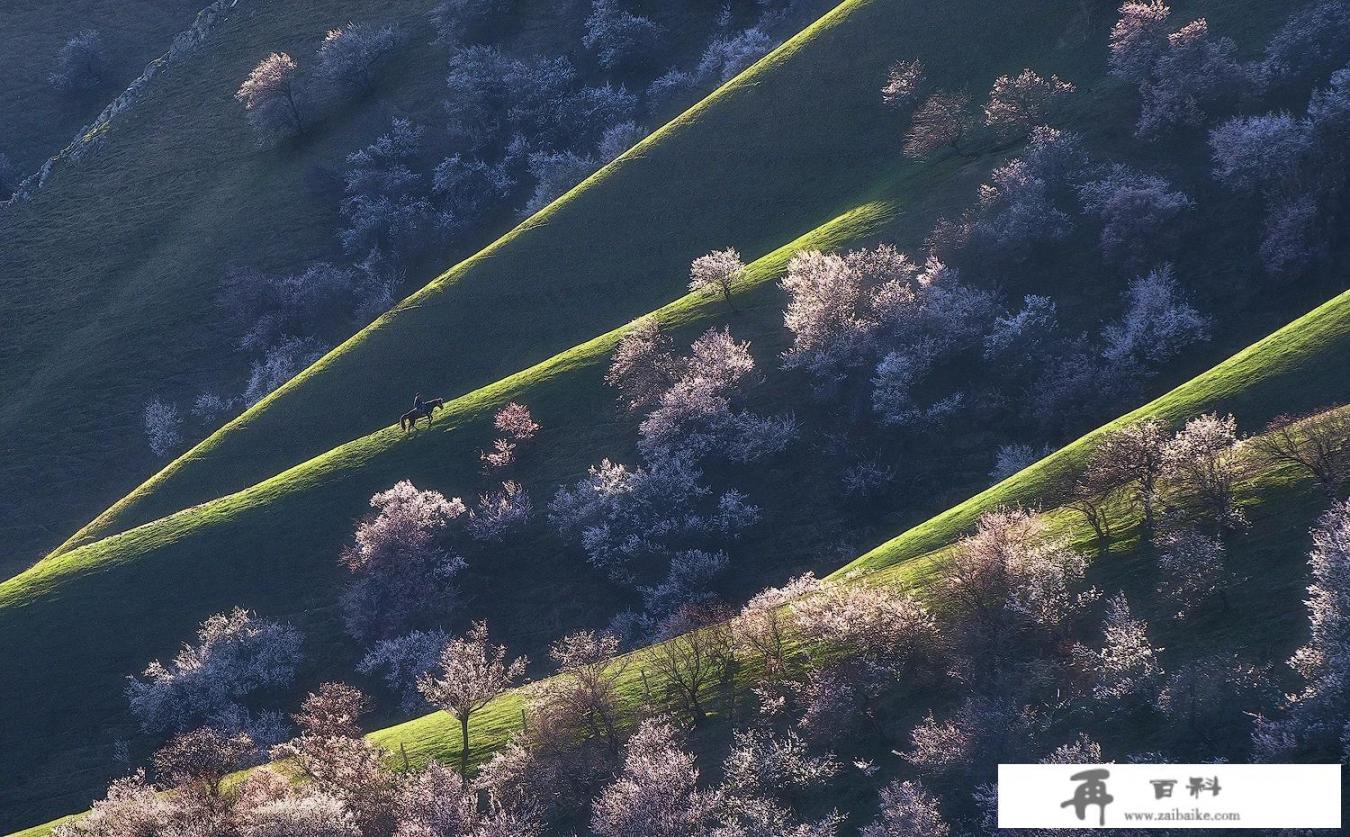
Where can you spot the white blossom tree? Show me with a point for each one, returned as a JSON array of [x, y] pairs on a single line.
[[716, 273], [903, 81], [1158, 322], [163, 427], [1019, 103], [1203, 462], [272, 98], [907, 810], [1126, 669], [471, 674], [236, 655], [1138, 38], [81, 64], [402, 571], [1137, 210], [1191, 569], [940, 121], [350, 54]]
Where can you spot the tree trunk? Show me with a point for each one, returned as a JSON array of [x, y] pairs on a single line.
[[464, 744]]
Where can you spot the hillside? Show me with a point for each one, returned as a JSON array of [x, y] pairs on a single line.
[[1293, 368], [39, 120], [257, 514], [111, 273]]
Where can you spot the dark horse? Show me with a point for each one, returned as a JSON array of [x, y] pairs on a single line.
[[408, 421]]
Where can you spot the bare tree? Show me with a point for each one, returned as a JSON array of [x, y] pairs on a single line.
[[1132, 456], [691, 662], [471, 675], [1320, 444], [1090, 495], [585, 691]]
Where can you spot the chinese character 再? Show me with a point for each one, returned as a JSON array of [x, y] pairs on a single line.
[[1162, 788], [1199, 784], [1091, 791]]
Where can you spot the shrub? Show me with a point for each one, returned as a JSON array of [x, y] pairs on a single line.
[[82, 64]]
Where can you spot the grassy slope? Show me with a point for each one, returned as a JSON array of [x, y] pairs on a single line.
[[1295, 369], [88, 608], [108, 277], [109, 273], [38, 120], [70, 614], [770, 155]]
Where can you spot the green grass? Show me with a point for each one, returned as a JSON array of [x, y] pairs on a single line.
[[810, 154], [1295, 368], [1267, 562], [108, 277], [39, 120]]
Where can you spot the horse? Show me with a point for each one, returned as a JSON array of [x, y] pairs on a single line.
[[408, 421]]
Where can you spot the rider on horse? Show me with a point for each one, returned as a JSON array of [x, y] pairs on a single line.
[[419, 405]]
